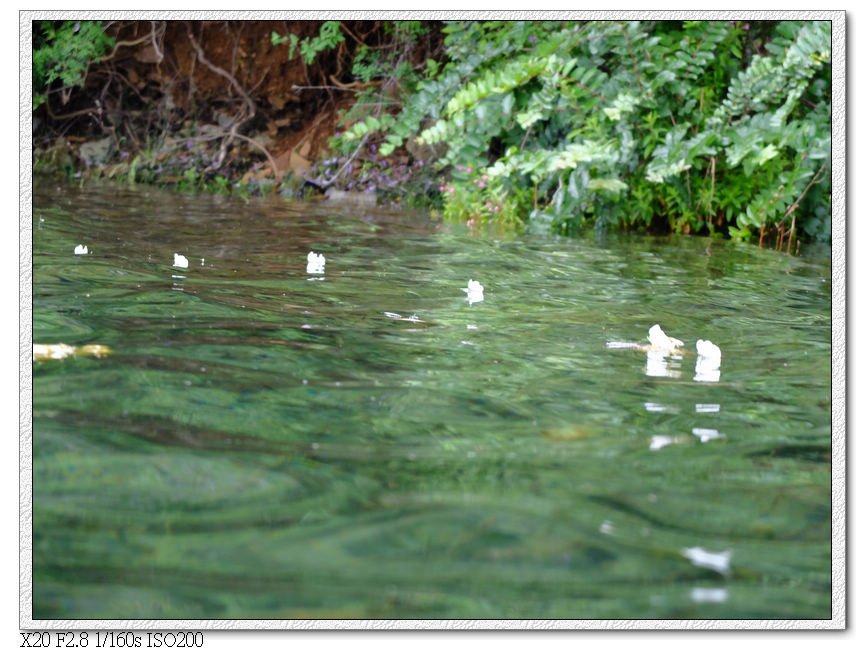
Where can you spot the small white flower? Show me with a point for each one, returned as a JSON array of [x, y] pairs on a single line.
[[81, 249], [474, 292], [659, 442], [705, 435], [661, 342], [709, 350], [704, 559], [315, 263], [180, 261]]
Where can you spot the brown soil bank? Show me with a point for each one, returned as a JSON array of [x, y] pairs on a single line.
[[176, 99]]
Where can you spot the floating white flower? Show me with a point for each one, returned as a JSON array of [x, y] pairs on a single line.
[[709, 350], [315, 263], [180, 261], [705, 435], [708, 368], [81, 249], [704, 559], [661, 342], [659, 442], [474, 292]]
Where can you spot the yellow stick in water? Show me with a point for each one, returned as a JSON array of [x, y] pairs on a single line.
[[56, 351]]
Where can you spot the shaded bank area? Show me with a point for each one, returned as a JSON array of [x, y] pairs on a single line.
[[695, 127], [221, 105]]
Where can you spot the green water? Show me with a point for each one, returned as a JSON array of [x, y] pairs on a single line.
[[269, 444]]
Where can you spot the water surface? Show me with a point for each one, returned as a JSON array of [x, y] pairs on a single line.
[[268, 444]]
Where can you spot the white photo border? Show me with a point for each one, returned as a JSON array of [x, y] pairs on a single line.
[[839, 330]]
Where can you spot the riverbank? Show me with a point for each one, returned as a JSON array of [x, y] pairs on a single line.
[[527, 123], [224, 107]]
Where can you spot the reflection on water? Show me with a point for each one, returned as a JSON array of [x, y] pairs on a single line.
[[663, 364], [709, 595], [376, 444], [707, 369]]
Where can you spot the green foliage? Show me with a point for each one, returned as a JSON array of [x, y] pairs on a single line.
[[63, 52], [687, 126], [189, 181], [291, 39], [329, 37]]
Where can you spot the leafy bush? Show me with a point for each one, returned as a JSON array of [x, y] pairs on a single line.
[[688, 126], [63, 51], [329, 37]]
